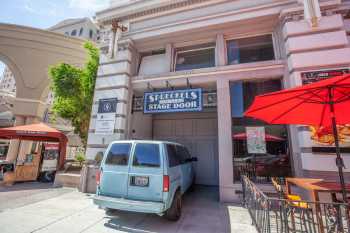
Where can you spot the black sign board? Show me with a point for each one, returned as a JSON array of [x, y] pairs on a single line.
[[107, 105], [314, 76]]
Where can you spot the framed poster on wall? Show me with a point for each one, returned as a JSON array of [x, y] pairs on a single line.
[[256, 143]]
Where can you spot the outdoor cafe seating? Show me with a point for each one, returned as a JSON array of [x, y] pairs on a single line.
[[287, 211]]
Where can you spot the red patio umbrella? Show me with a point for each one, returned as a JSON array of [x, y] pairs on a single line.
[[324, 103], [268, 137]]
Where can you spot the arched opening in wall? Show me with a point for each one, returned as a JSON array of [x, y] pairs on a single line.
[[7, 95]]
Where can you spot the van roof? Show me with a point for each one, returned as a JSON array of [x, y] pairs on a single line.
[[146, 141]]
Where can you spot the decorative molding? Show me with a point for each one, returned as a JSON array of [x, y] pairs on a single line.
[[111, 88], [102, 146], [116, 116], [151, 11], [126, 45], [297, 14], [115, 131], [113, 74], [118, 101], [115, 62]]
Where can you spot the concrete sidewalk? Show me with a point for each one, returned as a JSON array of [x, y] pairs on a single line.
[[26, 193], [74, 212]]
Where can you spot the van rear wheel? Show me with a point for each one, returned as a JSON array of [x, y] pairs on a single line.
[[174, 212]]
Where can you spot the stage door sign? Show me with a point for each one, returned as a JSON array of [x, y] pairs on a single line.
[[187, 100]]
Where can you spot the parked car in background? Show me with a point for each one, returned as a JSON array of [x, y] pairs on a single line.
[[145, 176]]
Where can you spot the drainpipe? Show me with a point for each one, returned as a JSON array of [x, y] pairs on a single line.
[[312, 11], [117, 30]]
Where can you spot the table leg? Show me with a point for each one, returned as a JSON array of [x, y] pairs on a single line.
[[288, 189], [315, 198]]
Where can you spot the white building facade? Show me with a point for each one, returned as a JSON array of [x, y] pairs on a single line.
[[231, 51]]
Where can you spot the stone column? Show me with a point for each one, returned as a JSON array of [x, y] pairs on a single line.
[[227, 191], [311, 49], [220, 51], [312, 11], [169, 53], [113, 81]]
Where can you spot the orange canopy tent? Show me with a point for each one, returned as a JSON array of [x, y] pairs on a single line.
[[38, 132]]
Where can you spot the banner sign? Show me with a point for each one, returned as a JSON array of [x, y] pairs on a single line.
[[323, 136], [51, 146], [256, 143], [188, 100], [314, 76], [105, 121]]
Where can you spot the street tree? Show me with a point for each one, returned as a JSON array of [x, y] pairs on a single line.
[[73, 90]]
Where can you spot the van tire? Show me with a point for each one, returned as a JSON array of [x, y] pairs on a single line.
[[192, 186], [174, 212], [111, 212]]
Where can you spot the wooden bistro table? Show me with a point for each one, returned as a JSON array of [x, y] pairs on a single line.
[[315, 187]]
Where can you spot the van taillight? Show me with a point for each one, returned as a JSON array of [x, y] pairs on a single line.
[[98, 177], [166, 183]]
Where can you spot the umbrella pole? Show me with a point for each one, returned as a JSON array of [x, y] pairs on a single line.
[[339, 160]]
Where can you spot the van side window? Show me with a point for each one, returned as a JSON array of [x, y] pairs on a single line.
[[146, 155], [118, 154], [183, 154], [172, 156]]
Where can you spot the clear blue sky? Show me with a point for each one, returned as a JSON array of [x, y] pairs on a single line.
[[46, 13]]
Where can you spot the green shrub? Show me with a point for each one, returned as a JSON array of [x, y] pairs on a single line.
[[80, 157]]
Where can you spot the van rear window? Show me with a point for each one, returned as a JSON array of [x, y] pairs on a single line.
[[118, 154], [146, 155]]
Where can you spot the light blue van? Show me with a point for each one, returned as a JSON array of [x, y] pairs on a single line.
[[145, 176]]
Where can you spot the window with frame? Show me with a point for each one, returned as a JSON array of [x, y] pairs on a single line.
[[74, 33], [195, 57], [118, 154], [275, 161], [173, 158], [252, 49], [81, 31], [146, 155]]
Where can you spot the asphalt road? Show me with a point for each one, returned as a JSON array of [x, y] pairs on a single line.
[[22, 194]]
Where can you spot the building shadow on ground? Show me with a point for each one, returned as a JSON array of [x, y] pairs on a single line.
[[202, 212]]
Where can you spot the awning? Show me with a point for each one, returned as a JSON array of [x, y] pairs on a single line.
[[37, 132]]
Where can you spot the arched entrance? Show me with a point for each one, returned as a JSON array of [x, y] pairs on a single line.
[[29, 52]]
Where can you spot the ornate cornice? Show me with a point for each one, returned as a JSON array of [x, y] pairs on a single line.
[[164, 8], [297, 13]]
